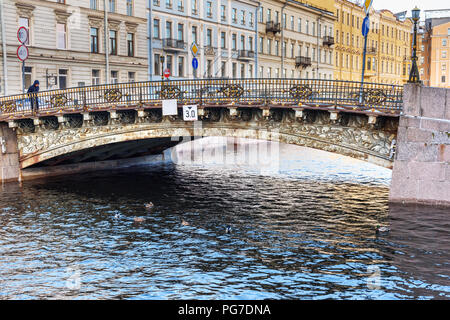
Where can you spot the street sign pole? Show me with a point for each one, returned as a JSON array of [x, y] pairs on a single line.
[[365, 31], [23, 75]]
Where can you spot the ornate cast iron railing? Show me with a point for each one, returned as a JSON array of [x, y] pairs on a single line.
[[371, 97]]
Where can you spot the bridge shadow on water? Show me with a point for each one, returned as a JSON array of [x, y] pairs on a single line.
[[306, 236]]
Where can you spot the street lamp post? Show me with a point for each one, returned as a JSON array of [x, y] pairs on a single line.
[[161, 58], [414, 73]]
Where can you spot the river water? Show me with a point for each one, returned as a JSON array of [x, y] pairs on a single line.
[[302, 227]]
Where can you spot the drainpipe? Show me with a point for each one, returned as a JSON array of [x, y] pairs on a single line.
[[4, 52], [282, 39], [318, 39], [106, 43], [256, 39], [150, 45]]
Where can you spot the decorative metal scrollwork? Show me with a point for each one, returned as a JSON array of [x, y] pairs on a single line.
[[50, 123], [8, 107], [375, 96], [169, 92], [300, 91], [232, 91], [113, 95], [58, 100]]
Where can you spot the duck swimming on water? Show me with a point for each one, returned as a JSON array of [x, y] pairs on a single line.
[[148, 205], [382, 230]]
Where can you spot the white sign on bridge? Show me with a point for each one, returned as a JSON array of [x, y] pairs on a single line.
[[190, 113]]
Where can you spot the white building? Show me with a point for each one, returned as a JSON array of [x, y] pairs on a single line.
[[67, 43]]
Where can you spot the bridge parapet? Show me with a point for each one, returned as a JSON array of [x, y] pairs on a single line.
[[342, 95]]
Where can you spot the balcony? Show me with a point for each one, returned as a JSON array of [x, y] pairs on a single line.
[[301, 61], [173, 45], [328, 41], [273, 27], [246, 54], [371, 50], [210, 51]]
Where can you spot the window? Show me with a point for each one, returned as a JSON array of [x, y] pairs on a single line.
[[444, 42], [269, 14], [242, 70], [250, 19], [112, 5], [223, 40], [180, 5], [180, 32], [444, 54], [269, 72], [169, 4], [94, 40], [156, 29], [261, 45], [114, 76], [261, 14], [269, 46], [209, 68], [242, 17], [299, 23], [169, 62], [95, 77], [209, 9], [443, 79], [261, 72], [181, 66], [284, 20], [61, 32], [233, 69], [24, 22], [112, 42], [130, 44], [131, 76], [307, 27], [157, 66], [93, 6], [250, 71], [194, 6], [194, 33], [168, 30], [222, 13], [223, 69], [292, 22], [28, 77], [250, 43], [129, 7], [209, 37], [242, 42], [276, 47], [234, 15], [233, 41], [62, 78]]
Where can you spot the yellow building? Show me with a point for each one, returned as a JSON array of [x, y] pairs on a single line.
[[388, 45]]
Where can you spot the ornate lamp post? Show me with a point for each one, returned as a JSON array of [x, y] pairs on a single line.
[[414, 73], [161, 58]]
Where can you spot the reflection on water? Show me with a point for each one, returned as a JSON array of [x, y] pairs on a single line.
[[307, 231]]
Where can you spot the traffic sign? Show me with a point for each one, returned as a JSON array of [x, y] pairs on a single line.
[[22, 53], [194, 63], [194, 48], [167, 73], [367, 5], [365, 26], [22, 35], [190, 113]]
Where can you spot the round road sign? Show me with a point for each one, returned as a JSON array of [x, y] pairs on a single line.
[[194, 63], [22, 53], [167, 73], [22, 35], [365, 26]]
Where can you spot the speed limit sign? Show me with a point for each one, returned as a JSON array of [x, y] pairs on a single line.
[[22, 53], [190, 113]]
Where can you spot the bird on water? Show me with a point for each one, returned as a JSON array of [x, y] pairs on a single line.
[[149, 205], [228, 229], [382, 230]]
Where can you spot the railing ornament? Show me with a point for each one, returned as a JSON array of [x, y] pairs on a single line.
[[232, 91], [300, 91], [112, 95], [169, 91]]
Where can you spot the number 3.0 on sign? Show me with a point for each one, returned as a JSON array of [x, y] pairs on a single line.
[[190, 113]]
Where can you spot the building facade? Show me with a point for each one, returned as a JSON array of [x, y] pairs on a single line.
[[295, 39], [435, 43], [67, 42], [223, 30], [388, 50]]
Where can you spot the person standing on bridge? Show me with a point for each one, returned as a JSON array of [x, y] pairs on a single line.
[[32, 91]]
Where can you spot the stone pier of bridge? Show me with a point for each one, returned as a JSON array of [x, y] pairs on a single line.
[[421, 172]]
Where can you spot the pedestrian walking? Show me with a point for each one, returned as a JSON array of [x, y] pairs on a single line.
[[32, 91]]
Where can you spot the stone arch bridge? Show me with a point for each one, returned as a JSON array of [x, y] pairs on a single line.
[[109, 122]]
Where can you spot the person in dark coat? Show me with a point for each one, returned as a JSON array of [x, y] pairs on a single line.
[[32, 90]]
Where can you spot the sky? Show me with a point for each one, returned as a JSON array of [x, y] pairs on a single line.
[[402, 5]]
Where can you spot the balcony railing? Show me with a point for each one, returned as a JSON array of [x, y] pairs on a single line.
[[371, 50], [301, 61], [273, 27], [210, 50], [246, 54], [328, 41], [173, 44]]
